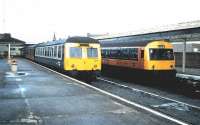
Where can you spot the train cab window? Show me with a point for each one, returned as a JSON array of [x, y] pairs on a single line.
[[161, 54], [76, 52], [59, 51], [92, 52]]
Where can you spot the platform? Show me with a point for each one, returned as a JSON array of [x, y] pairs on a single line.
[[189, 71], [38, 96]]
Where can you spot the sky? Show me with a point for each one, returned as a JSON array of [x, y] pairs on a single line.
[[35, 21]]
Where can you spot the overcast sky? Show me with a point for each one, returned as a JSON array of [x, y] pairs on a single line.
[[36, 20]]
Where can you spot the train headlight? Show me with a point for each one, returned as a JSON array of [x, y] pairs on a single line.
[[73, 66], [171, 66]]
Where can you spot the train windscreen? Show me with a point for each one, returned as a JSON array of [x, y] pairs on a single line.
[[92, 52], [75, 52], [161, 54]]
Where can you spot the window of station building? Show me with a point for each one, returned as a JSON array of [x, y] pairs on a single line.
[[12, 49], [59, 51], [76, 52], [92, 52]]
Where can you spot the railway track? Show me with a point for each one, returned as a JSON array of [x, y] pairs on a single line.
[[183, 111], [151, 103]]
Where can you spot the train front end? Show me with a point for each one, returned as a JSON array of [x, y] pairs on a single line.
[[160, 60], [83, 58]]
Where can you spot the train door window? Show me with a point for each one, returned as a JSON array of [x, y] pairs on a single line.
[[59, 51], [142, 54], [92, 52], [76, 52]]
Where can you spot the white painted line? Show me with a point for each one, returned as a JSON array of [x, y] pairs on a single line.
[[152, 94], [121, 99]]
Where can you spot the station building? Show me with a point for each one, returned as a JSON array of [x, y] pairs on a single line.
[[15, 45]]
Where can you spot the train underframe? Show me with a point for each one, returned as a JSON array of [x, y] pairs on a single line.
[[89, 75], [138, 74]]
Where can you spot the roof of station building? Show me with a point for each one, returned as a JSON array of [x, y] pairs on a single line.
[[7, 38]]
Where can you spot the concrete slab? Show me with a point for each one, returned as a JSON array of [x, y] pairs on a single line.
[[38, 96]]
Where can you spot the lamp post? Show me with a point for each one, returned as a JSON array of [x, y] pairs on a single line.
[[9, 59]]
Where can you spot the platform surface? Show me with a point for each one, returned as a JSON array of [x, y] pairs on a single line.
[[38, 96]]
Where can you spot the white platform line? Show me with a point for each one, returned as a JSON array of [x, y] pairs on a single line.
[[120, 98], [152, 94]]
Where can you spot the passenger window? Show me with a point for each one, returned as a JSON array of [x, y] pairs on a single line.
[[59, 51], [133, 53], [55, 51]]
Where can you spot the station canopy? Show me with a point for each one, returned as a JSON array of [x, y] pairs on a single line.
[[188, 31], [7, 39]]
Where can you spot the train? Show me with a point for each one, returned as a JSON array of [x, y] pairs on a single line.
[[77, 56], [140, 59]]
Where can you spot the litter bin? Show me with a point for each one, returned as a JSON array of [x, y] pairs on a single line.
[[14, 66]]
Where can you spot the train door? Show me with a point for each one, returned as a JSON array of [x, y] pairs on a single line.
[[141, 58]]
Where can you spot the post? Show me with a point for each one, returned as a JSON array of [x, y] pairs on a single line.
[[9, 59], [184, 56], [9, 51]]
